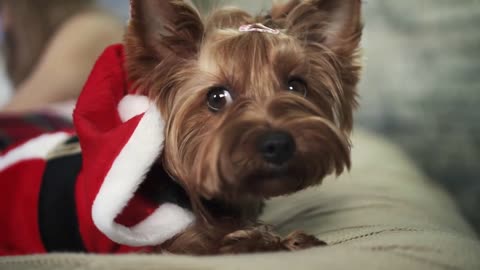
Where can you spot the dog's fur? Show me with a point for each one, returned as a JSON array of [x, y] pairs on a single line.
[[176, 57]]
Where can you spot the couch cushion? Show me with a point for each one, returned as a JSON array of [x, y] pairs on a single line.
[[384, 214]]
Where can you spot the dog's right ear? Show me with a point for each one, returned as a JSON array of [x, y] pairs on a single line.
[[335, 24], [160, 29]]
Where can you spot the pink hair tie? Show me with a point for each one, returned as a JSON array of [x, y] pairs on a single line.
[[258, 27]]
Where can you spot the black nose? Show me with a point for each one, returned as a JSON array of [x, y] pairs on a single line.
[[276, 147]]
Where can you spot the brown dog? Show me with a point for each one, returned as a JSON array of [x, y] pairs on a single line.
[[255, 107]]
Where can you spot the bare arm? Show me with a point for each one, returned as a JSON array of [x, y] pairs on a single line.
[[64, 67]]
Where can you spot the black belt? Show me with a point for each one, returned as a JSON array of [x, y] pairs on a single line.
[[57, 210]]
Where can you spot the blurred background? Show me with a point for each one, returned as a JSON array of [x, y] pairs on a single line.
[[421, 85]]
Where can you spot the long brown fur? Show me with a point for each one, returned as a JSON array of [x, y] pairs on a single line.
[[176, 56]]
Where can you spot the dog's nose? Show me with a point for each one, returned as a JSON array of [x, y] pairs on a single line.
[[276, 147]]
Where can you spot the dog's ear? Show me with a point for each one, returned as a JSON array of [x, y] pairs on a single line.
[[160, 29], [334, 23], [282, 10]]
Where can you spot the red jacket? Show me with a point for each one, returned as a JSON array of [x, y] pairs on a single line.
[[82, 191]]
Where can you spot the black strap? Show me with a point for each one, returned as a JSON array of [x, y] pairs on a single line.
[[57, 210]]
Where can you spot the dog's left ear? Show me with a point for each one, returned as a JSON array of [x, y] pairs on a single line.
[[334, 23], [160, 29]]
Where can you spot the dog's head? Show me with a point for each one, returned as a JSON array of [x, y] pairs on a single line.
[[255, 111]]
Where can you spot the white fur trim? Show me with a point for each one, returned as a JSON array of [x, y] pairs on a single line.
[[122, 181], [167, 221], [37, 148], [132, 105]]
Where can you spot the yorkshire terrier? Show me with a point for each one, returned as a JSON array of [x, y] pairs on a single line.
[[255, 107]]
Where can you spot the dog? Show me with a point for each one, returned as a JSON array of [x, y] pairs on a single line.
[[185, 130], [255, 107]]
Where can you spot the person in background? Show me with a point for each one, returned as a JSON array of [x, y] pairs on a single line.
[[49, 48]]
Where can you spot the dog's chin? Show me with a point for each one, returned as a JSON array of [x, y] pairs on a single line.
[[272, 183], [272, 186]]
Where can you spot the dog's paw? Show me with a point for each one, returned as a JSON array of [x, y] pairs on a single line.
[[263, 239], [260, 239], [299, 240]]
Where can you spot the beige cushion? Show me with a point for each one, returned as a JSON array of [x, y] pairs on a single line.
[[384, 214]]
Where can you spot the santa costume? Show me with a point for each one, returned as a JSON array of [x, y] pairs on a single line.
[[98, 188]]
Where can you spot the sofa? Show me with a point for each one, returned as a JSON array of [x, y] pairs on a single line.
[[383, 214]]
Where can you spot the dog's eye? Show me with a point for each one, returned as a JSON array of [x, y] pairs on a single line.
[[218, 98], [298, 86]]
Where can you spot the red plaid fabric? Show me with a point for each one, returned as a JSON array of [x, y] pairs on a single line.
[[15, 129]]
